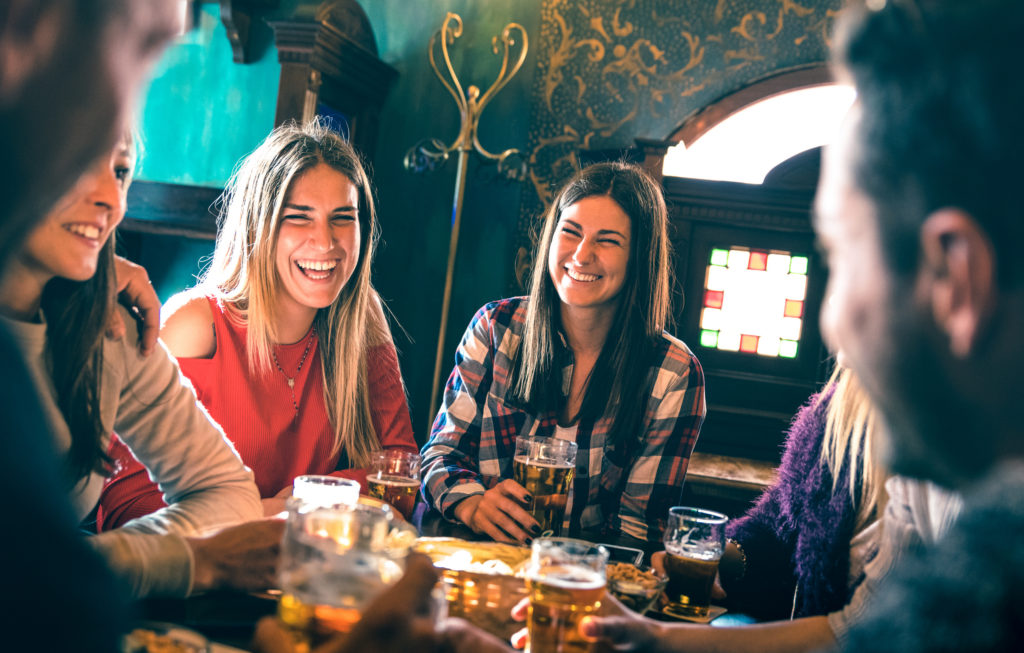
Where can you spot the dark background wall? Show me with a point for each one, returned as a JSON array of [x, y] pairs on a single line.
[[599, 74]]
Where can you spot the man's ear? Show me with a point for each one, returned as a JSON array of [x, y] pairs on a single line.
[[959, 276]]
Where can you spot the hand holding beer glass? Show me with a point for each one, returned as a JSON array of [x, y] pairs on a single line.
[[566, 581], [545, 468], [334, 560], [394, 478], [694, 543]]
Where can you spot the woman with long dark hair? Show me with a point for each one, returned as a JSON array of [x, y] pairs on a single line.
[[585, 357]]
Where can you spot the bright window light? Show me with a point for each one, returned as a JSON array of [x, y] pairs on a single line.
[[748, 144]]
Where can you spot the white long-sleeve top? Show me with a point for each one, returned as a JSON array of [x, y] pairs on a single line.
[[153, 408], [916, 513]]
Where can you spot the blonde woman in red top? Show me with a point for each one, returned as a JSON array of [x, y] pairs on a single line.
[[284, 338]]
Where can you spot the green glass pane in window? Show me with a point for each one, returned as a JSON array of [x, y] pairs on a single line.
[[719, 257], [798, 265], [787, 348], [709, 339]]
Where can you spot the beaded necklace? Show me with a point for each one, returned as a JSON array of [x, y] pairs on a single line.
[[291, 379]]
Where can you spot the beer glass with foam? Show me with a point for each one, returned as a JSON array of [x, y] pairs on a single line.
[[694, 542], [334, 560], [545, 467], [566, 580], [394, 478], [325, 490]]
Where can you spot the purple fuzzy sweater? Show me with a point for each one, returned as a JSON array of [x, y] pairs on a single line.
[[798, 534]]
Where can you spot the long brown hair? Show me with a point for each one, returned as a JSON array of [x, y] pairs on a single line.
[[76, 319], [244, 276], [619, 384]]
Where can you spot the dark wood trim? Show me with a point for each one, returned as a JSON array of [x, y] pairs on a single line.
[[700, 122], [172, 209], [736, 204], [238, 17]]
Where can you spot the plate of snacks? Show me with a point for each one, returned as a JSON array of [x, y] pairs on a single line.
[[635, 587], [156, 637]]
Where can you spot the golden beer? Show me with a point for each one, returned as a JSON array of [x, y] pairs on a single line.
[[559, 599], [689, 584], [310, 625], [548, 484], [395, 491]]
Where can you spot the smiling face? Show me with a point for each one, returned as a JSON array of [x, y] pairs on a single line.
[[318, 241], [589, 255], [68, 241]]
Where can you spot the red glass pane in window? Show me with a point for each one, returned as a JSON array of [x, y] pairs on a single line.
[[713, 298], [748, 343], [758, 261], [794, 308]]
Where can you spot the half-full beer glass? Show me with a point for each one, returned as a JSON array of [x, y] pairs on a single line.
[[334, 560], [394, 478], [566, 581], [545, 467], [694, 542]]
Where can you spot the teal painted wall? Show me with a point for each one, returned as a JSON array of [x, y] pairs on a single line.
[[200, 115], [203, 112]]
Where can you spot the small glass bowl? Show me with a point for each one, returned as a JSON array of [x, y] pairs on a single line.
[[637, 588]]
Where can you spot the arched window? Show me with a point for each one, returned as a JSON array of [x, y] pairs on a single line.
[[747, 143]]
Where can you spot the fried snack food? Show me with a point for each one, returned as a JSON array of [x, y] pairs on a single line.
[[636, 588], [145, 640], [480, 580]]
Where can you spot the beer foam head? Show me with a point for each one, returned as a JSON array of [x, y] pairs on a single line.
[[541, 462]]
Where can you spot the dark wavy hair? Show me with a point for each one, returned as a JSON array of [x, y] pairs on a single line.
[[76, 317], [940, 89], [618, 385]]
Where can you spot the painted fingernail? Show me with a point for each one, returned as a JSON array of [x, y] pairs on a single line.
[[529, 540], [535, 530]]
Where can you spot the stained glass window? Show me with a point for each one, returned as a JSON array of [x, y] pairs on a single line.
[[754, 301]]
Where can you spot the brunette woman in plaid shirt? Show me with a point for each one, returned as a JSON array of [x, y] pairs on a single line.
[[585, 357]]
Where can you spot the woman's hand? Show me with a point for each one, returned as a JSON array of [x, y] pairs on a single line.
[[275, 505], [617, 627], [620, 629], [242, 557], [137, 293], [499, 513]]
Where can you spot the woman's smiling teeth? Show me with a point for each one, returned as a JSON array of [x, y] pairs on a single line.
[[89, 231], [317, 269], [581, 276]]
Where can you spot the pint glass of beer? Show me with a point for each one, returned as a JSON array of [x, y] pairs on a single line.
[[694, 542], [394, 478], [334, 560], [566, 581], [545, 467]]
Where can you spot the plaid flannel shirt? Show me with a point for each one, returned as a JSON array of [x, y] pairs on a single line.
[[616, 489]]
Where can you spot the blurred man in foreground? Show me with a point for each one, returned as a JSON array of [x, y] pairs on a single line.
[[918, 212]]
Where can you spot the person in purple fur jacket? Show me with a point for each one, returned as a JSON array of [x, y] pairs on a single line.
[[800, 551]]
